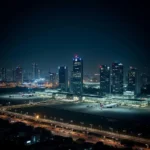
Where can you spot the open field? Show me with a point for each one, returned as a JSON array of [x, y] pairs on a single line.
[[116, 119], [129, 114]]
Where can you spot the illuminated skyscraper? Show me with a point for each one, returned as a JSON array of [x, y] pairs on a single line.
[[63, 78], [39, 73], [52, 79], [104, 79], [117, 78], [77, 76], [133, 81], [34, 71], [3, 74], [19, 75]]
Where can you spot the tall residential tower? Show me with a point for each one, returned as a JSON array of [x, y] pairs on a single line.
[[34, 71], [19, 75], [77, 76], [104, 79], [134, 81], [63, 78], [3, 74], [117, 78]]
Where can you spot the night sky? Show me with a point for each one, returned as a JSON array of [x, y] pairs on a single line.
[[52, 32]]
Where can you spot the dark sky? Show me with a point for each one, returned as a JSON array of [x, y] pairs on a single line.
[[51, 32]]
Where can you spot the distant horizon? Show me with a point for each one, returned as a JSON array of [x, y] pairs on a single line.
[[70, 68], [51, 33]]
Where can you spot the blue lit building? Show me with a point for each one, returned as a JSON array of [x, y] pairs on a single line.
[[117, 78], [104, 79], [77, 76], [63, 78]]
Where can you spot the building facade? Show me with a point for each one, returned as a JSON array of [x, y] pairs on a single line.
[[133, 81], [53, 79], [117, 78], [13, 75], [3, 74], [104, 79], [145, 78], [19, 75], [70, 82], [63, 78], [77, 76], [34, 71], [39, 73]]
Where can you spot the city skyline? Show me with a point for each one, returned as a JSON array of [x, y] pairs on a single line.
[[51, 33], [55, 69], [75, 74]]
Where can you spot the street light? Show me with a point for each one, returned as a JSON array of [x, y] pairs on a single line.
[[37, 117]]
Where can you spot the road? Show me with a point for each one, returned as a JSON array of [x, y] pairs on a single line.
[[66, 132], [79, 128], [70, 126]]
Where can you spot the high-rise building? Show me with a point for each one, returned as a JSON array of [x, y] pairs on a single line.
[[63, 78], [34, 71], [8, 75], [145, 77], [19, 75], [25, 76], [133, 81], [52, 79], [70, 82], [13, 75], [77, 76], [39, 73], [3, 74], [104, 79], [117, 78]]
